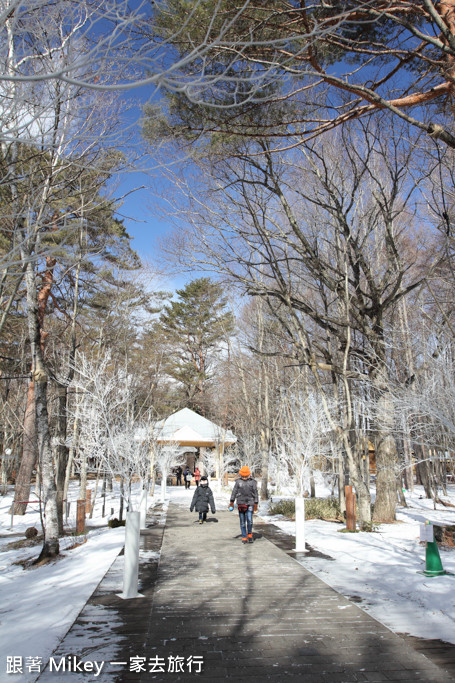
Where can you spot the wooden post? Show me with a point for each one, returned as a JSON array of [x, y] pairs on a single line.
[[226, 479], [350, 508], [88, 501], [80, 517]]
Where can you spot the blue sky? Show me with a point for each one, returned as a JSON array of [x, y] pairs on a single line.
[[136, 211], [141, 224], [140, 209]]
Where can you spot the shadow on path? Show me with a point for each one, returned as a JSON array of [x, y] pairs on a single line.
[[243, 612]]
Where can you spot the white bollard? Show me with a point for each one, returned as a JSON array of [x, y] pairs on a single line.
[[131, 571], [163, 489], [143, 507], [300, 525]]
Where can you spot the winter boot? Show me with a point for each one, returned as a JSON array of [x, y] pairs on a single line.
[[244, 540], [250, 538]]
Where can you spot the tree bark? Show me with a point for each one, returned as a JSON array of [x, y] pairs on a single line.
[[354, 454], [265, 454], [62, 453], [29, 454], [385, 447], [49, 491], [39, 376], [29, 443], [423, 470]]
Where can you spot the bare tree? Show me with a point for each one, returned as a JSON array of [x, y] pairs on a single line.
[[305, 437], [166, 456], [108, 437], [426, 400], [324, 235]]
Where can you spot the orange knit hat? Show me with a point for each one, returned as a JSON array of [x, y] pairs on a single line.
[[245, 471]]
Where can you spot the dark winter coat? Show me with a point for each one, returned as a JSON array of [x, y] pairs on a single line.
[[203, 497], [246, 492]]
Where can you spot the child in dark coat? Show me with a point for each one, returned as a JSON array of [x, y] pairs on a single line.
[[202, 499], [246, 492]]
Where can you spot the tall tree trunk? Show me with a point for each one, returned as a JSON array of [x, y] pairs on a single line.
[[354, 457], [122, 496], [35, 313], [404, 323], [386, 449], [422, 467], [62, 453], [29, 455], [385, 503], [83, 477], [340, 480], [49, 491], [408, 472], [71, 451], [312, 484], [264, 409], [265, 455]]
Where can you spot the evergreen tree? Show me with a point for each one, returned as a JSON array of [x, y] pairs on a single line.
[[195, 327], [295, 69]]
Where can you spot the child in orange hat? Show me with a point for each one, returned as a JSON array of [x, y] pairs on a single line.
[[246, 492]]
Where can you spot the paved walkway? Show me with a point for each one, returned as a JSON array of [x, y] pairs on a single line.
[[243, 612]]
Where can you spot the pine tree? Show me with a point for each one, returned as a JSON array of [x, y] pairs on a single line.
[[295, 69], [195, 327]]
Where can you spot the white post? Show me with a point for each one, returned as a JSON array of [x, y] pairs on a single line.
[[219, 465], [143, 506], [131, 571], [300, 525], [163, 486]]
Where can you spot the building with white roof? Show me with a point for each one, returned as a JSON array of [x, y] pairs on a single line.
[[187, 428]]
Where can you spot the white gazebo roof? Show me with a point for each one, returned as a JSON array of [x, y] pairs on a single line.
[[188, 428]]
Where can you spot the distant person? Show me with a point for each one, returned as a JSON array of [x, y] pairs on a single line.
[[245, 491], [197, 475], [178, 474], [202, 499], [187, 477]]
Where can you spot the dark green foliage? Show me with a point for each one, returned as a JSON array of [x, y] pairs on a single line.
[[195, 327], [369, 526], [114, 523], [269, 66], [283, 507], [315, 508], [31, 532], [348, 531]]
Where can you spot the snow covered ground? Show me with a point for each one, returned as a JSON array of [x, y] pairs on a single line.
[[38, 605], [382, 568]]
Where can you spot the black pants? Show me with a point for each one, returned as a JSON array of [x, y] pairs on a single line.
[[203, 516], [179, 480], [187, 484]]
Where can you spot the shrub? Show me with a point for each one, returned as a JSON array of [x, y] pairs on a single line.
[[114, 523], [283, 507], [369, 526], [315, 508], [31, 532]]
